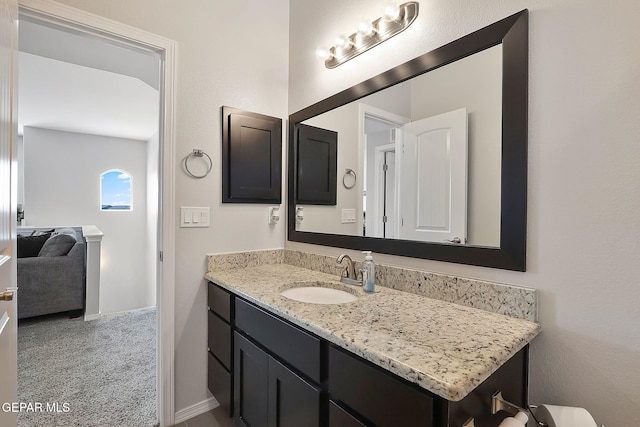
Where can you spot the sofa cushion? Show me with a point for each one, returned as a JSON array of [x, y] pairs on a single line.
[[30, 246], [57, 245]]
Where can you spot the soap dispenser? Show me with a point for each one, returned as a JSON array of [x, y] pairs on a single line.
[[368, 273]]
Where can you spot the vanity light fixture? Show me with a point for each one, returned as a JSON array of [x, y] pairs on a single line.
[[394, 20]]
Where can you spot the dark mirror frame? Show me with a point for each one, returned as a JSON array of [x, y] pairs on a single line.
[[512, 33]]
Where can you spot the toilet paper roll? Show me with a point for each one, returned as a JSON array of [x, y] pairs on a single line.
[[520, 420], [564, 416]]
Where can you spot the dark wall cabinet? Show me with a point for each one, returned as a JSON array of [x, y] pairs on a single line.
[[316, 165], [280, 375], [251, 157]]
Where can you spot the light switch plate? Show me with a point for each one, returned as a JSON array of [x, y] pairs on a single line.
[[191, 217]]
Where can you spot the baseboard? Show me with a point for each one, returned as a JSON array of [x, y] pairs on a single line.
[[92, 316], [195, 410]]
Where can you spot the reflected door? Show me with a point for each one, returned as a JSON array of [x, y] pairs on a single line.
[[433, 179]]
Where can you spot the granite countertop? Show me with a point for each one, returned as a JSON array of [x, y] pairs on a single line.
[[445, 348]]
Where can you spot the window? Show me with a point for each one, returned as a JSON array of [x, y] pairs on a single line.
[[115, 191]]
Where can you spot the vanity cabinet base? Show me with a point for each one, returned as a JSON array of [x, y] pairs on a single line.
[[332, 387]]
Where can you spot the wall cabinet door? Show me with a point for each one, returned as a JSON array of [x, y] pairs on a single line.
[[269, 394]]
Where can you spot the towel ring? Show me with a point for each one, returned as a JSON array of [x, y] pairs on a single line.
[[198, 153], [349, 172]]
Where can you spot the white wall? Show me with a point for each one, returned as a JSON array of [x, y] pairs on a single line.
[[62, 188], [584, 197], [230, 52]]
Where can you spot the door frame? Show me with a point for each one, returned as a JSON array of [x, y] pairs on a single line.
[[380, 188], [364, 111], [106, 29]]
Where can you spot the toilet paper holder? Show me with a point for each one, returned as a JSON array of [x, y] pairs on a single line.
[[498, 403]]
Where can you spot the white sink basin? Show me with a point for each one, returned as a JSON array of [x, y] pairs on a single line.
[[319, 295]]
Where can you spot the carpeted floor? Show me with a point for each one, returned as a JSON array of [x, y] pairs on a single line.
[[99, 373]]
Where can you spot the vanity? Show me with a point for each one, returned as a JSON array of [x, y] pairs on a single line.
[[386, 359], [424, 349]]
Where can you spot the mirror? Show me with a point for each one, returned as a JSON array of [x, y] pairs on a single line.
[[431, 156]]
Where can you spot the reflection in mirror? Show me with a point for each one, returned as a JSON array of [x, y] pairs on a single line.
[[439, 148], [427, 153]]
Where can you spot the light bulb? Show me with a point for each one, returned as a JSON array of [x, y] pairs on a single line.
[[391, 13], [344, 42], [323, 53], [366, 29]]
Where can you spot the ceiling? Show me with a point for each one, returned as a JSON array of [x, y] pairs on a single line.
[[77, 83]]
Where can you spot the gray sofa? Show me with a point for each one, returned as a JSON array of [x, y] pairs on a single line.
[[52, 284]]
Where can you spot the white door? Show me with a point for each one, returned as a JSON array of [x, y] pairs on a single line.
[[433, 178], [8, 295]]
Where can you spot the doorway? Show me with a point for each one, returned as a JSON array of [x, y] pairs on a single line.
[[380, 145], [77, 21]]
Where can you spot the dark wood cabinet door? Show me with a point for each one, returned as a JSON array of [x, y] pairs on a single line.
[[251, 157], [250, 383], [317, 164], [338, 417], [293, 402]]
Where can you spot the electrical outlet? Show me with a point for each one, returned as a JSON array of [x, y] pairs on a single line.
[[348, 216]]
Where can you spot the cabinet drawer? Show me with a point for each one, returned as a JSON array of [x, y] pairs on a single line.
[[220, 339], [219, 383], [300, 349], [219, 301], [378, 396], [338, 417]]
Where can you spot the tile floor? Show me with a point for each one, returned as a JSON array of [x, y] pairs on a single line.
[[214, 418]]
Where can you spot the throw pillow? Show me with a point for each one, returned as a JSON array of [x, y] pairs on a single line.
[[57, 245], [70, 231], [30, 246], [41, 232]]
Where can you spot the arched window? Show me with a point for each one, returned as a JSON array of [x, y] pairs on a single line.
[[115, 191]]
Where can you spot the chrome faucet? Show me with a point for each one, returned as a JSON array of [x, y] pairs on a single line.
[[348, 273]]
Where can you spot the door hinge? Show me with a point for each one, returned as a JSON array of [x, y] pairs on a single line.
[[161, 256], [384, 219], [385, 167]]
